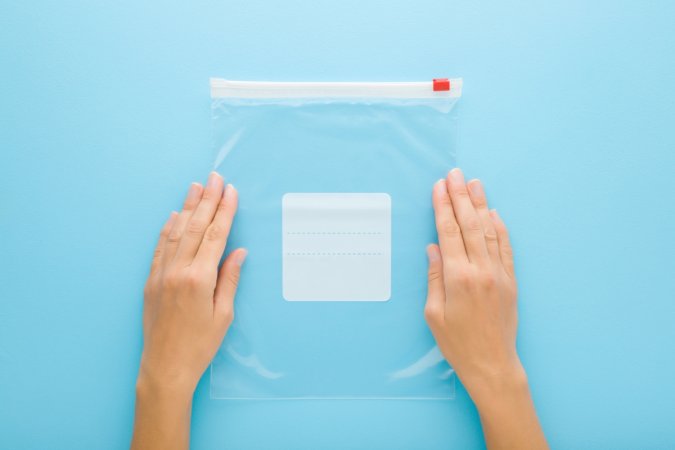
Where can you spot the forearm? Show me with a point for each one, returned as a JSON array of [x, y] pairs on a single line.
[[162, 417], [508, 414]]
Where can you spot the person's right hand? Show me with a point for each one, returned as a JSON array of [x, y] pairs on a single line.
[[471, 310]]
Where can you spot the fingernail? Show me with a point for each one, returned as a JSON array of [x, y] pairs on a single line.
[[193, 193], [433, 253], [213, 180], [456, 175], [240, 257], [172, 217], [441, 186], [493, 214], [229, 191], [476, 188]]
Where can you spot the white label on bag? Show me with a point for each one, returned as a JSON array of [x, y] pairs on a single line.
[[336, 247]]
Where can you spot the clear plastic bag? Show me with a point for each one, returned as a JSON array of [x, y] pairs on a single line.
[[334, 184]]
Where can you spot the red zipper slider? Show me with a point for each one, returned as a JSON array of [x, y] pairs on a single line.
[[441, 84]]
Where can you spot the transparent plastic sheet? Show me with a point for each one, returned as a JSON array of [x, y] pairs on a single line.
[[334, 184]]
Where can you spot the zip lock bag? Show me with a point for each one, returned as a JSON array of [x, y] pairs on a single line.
[[334, 184]]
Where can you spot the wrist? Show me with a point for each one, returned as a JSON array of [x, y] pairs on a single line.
[[163, 383], [163, 413], [507, 411], [492, 388]]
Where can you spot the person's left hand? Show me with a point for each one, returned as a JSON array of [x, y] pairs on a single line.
[[188, 300]]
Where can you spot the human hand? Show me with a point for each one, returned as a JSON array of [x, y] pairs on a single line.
[[187, 310], [188, 300], [471, 303], [471, 310]]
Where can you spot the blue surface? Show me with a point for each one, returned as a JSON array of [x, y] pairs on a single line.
[[567, 116]]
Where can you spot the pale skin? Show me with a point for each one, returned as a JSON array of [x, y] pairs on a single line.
[[470, 309]]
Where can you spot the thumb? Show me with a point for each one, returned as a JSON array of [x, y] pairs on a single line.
[[434, 310], [226, 286]]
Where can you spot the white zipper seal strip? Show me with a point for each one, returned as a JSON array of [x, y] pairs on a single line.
[[221, 88]]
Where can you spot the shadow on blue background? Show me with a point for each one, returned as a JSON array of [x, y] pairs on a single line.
[[567, 117]]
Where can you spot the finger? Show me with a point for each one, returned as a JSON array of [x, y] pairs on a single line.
[[434, 310], [159, 250], [479, 201], [191, 201], [449, 233], [226, 287], [505, 250], [215, 238], [200, 220], [467, 218]]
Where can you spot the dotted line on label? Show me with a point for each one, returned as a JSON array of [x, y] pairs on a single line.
[[334, 232], [333, 254]]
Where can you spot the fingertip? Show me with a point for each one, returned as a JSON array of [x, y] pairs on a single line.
[[169, 222], [214, 181], [441, 187], [500, 226], [194, 194], [456, 176], [240, 256], [475, 189], [433, 253], [230, 193], [235, 259]]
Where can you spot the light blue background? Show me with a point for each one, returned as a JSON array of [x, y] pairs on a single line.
[[567, 117]]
